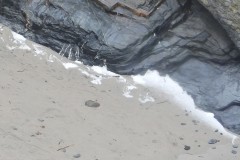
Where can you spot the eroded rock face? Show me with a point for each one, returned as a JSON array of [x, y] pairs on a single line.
[[179, 38], [227, 12]]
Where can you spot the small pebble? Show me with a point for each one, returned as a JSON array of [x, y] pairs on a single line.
[[187, 147], [212, 141], [216, 130], [41, 120], [183, 124], [235, 146], [234, 152], [91, 103], [77, 156], [38, 133]]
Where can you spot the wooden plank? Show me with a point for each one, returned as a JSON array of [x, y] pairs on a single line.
[[132, 5]]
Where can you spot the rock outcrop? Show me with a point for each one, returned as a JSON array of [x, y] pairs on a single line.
[[227, 12], [177, 37]]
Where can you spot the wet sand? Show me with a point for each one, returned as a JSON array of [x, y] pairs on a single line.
[[44, 116]]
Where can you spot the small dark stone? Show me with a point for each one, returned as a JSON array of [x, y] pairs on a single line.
[[216, 130], [234, 152], [187, 147], [91, 103], [77, 156], [212, 141], [235, 146], [183, 124]]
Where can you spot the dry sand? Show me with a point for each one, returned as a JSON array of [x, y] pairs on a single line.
[[44, 117]]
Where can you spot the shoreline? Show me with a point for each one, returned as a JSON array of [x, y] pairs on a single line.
[[41, 88]]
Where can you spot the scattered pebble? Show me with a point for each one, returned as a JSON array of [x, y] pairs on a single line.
[[187, 147], [212, 141], [91, 103], [216, 130], [235, 146], [234, 152], [213, 147], [195, 122], [40, 120], [183, 124], [38, 133], [64, 150], [77, 156], [14, 128]]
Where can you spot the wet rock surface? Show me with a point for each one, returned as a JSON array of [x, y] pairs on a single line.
[[227, 12], [180, 38]]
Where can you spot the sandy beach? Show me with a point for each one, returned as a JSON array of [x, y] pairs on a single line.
[[44, 114]]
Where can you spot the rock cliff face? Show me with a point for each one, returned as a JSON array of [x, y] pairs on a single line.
[[177, 37], [227, 12]]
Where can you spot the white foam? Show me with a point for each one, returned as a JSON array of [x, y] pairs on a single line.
[[165, 84], [146, 98], [70, 65], [25, 47], [103, 71], [96, 79], [20, 40], [18, 37], [127, 91], [38, 50]]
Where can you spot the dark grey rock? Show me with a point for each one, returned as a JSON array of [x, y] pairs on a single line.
[[234, 152], [235, 146], [91, 103], [187, 147], [77, 156], [212, 141], [179, 38], [227, 13]]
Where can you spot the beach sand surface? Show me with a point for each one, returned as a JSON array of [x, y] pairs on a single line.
[[44, 116]]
